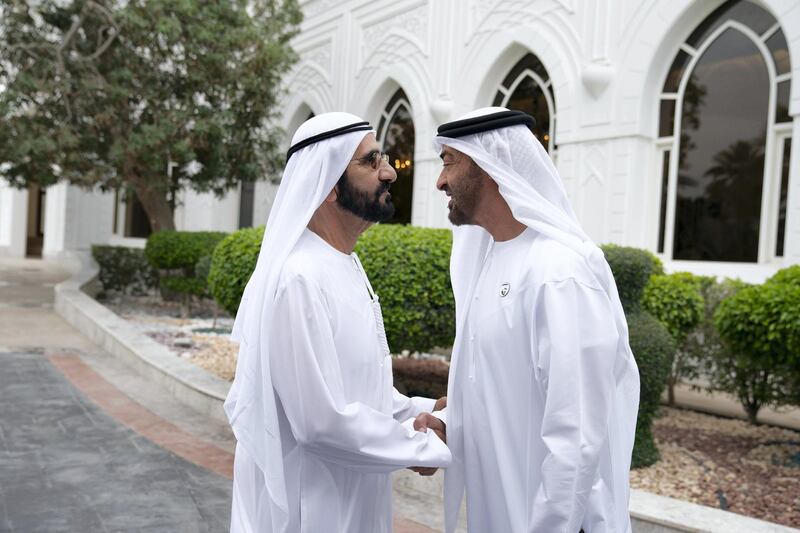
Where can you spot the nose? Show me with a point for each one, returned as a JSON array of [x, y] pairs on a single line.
[[441, 183], [387, 173]]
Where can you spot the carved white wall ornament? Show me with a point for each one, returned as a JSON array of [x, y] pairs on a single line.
[[595, 161], [442, 109], [321, 56], [412, 24], [596, 77]]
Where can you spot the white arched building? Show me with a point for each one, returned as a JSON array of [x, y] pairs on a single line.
[[671, 123]]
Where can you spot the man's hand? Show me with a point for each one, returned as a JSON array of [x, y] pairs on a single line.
[[423, 423], [440, 404], [426, 421]]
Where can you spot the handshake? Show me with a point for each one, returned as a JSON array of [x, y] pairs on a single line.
[[423, 423]]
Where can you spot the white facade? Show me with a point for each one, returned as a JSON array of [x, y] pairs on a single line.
[[607, 61]]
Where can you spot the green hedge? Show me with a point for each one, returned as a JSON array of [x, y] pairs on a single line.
[[124, 269], [651, 343], [787, 276], [676, 302], [409, 269], [176, 255], [761, 326], [632, 269], [232, 263], [653, 348], [171, 250]]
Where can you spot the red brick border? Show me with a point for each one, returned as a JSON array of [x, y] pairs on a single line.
[[152, 427]]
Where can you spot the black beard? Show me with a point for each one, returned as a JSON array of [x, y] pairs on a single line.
[[465, 197], [458, 217], [363, 204]]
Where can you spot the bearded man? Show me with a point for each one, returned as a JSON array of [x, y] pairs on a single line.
[[318, 422], [543, 390]]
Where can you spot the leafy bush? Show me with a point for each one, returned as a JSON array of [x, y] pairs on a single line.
[[202, 268], [653, 348], [676, 302], [409, 269], [420, 377], [652, 345], [761, 326], [124, 269], [176, 254], [787, 276], [632, 268], [185, 286], [171, 250], [233, 261]]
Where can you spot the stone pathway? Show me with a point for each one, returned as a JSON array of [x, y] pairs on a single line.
[[86, 444], [68, 466]]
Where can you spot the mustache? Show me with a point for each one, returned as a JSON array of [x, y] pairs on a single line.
[[382, 188]]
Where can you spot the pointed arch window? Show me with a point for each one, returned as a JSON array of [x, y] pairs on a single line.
[[396, 135], [725, 140], [528, 87]]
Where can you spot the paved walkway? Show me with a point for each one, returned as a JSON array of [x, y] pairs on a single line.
[[69, 466], [87, 445]]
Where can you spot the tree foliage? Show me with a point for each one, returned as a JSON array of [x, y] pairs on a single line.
[[115, 93]]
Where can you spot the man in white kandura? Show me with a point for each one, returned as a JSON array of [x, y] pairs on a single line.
[[544, 389], [316, 418]]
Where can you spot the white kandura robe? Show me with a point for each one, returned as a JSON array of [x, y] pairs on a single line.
[[339, 415], [533, 407]]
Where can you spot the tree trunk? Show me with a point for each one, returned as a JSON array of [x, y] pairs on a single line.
[[752, 413], [157, 207], [671, 391]]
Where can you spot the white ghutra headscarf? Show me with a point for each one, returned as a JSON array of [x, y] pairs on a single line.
[[507, 150], [321, 150]]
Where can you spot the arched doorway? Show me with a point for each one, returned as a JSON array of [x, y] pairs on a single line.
[[396, 135]]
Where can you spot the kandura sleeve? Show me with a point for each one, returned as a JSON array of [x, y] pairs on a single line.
[[576, 342], [307, 379], [409, 407]]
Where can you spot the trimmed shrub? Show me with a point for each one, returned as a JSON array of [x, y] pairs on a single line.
[[652, 345], [203, 267], [233, 261], [185, 286], [124, 269], [420, 377], [761, 326], [172, 250], [787, 276], [653, 348], [176, 254], [409, 269], [676, 302], [632, 268]]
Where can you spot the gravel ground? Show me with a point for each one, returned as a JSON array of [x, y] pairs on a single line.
[[726, 463], [201, 339], [713, 461]]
